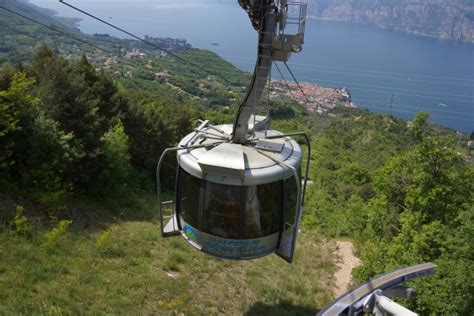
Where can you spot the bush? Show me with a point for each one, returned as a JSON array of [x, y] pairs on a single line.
[[49, 157], [102, 243], [53, 237], [117, 169], [20, 223], [16, 110]]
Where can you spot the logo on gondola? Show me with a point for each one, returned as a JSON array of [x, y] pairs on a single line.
[[234, 247], [190, 232]]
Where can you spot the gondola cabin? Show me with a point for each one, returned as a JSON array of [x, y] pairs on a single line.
[[239, 193], [237, 201]]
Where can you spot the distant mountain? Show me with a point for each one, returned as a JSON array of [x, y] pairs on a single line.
[[43, 15], [444, 19], [21, 37]]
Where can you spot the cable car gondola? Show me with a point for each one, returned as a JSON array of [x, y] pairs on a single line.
[[238, 189]]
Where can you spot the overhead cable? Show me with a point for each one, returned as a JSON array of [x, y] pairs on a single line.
[[309, 68], [296, 81], [391, 89], [363, 70], [66, 34], [56, 30], [136, 37], [283, 78]]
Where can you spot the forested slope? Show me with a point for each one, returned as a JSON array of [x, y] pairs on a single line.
[[404, 194]]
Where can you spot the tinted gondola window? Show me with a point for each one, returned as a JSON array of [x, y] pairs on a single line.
[[262, 210], [222, 210], [291, 197], [189, 198]]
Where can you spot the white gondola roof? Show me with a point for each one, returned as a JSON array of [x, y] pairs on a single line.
[[236, 164]]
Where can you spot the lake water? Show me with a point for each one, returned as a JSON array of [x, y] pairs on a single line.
[[420, 73]]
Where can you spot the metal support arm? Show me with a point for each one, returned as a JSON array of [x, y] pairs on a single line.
[[259, 79], [269, 18]]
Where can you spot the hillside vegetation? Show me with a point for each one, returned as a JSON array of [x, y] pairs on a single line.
[[79, 232], [405, 196]]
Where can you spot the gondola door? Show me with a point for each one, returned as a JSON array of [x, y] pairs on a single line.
[[292, 212], [168, 216]]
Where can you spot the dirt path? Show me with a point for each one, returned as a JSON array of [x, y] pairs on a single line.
[[346, 262]]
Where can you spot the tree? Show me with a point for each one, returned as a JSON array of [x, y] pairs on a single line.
[[431, 188], [117, 169], [50, 154], [17, 109]]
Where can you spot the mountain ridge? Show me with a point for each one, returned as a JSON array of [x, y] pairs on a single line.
[[443, 19]]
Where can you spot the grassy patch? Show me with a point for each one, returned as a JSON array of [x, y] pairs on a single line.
[[128, 268]]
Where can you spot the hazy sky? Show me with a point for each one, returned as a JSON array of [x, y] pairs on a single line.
[[152, 4]]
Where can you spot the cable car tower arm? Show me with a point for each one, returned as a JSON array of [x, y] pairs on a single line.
[[269, 18]]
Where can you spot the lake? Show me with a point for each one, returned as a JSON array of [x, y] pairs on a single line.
[[385, 71]]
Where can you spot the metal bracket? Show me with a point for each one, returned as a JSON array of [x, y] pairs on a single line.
[[269, 146], [380, 305]]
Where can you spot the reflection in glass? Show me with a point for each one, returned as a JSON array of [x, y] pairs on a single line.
[[262, 210], [291, 196], [222, 210], [189, 198], [238, 212]]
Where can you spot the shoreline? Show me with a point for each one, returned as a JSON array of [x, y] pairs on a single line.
[[314, 97], [393, 29]]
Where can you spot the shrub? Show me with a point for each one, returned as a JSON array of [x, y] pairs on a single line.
[[117, 169], [49, 157], [16, 110], [56, 233], [20, 222], [102, 243]]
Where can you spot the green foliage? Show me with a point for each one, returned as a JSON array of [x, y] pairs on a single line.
[[20, 223], [17, 108], [54, 236], [117, 169], [418, 125], [103, 243], [70, 131], [430, 188], [20, 38], [147, 134], [404, 195], [50, 156]]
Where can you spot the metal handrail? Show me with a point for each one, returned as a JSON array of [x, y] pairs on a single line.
[[158, 176]]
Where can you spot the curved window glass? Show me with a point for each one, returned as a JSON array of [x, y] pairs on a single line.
[[262, 210], [222, 209], [291, 198], [189, 187], [237, 212]]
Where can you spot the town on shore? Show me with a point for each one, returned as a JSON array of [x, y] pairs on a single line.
[[314, 97]]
